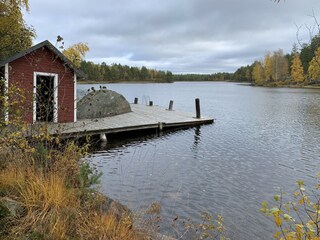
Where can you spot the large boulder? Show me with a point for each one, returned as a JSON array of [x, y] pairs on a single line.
[[102, 103]]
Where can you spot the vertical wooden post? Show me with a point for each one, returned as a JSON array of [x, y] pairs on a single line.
[[170, 105], [198, 114], [150, 103], [136, 100]]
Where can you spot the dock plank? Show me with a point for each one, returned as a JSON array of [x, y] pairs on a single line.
[[142, 117]]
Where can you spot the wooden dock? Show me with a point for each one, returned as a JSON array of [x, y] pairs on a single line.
[[142, 117]]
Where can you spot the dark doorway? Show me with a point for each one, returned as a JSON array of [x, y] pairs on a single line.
[[45, 98]]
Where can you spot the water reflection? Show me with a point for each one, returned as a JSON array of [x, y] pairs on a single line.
[[197, 137], [102, 145]]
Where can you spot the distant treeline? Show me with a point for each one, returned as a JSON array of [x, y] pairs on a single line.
[[203, 77], [300, 67], [119, 73]]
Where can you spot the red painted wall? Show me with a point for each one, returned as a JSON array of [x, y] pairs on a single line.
[[43, 60]]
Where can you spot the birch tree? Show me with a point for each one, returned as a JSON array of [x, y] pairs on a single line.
[[76, 53], [15, 34], [268, 66], [314, 66], [258, 73]]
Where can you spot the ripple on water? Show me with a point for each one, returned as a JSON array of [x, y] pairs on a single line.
[[263, 139]]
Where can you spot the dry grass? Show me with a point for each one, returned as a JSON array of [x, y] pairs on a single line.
[[49, 182], [49, 205], [107, 226], [56, 205]]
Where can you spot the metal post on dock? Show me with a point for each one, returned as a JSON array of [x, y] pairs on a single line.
[[136, 100], [103, 137], [160, 125], [198, 114], [170, 105], [150, 103]]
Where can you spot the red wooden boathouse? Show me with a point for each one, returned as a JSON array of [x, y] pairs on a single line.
[[48, 81]]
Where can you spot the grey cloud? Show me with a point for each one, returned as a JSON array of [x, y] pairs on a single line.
[[202, 36]]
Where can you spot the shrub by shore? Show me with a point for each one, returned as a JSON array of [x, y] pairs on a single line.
[[45, 194]]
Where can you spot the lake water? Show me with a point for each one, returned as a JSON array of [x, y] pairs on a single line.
[[262, 139]]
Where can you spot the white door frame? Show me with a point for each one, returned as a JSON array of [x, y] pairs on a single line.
[[6, 87], [75, 97], [55, 94]]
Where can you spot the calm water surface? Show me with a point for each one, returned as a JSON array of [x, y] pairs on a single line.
[[263, 139]]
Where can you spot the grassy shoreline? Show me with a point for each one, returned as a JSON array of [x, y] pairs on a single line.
[[287, 86], [46, 193]]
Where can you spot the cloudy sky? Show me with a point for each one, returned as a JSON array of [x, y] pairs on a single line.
[[183, 36]]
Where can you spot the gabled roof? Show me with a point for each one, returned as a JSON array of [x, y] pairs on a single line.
[[53, 49]]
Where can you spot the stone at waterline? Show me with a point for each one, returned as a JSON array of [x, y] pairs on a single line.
[[102, 103], [10, 208], [115, 208]]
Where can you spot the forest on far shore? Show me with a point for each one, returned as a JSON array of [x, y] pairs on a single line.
[[124, 73], [300, 67]]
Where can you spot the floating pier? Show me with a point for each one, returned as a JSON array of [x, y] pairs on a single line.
[[142, 117]]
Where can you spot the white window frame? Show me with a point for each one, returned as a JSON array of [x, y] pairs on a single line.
[[75, 97], [6, 89], [55, 94]]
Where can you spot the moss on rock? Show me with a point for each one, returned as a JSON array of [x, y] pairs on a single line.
[[102, 103]]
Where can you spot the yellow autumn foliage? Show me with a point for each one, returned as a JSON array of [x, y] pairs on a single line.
[[297, 73], [15, 35], [314, 66], [258, 73], [298, 218], [76, 52]]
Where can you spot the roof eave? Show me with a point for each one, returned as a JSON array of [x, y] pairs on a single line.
[[80, 74]]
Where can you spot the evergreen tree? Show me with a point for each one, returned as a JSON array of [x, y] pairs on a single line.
[[306, 56], [144, 74]]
